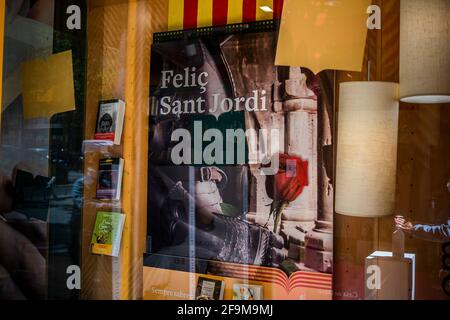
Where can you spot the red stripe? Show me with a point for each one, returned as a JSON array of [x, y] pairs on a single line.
[[220, 12], [190, 14], [258, 272], [308, 275], [312, 287], [277, 8], [254, 277], [326, 284], [249, 11]]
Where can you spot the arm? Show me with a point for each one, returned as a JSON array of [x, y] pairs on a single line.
[[440, 233]]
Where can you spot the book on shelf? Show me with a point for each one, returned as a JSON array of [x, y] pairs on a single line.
[[107, 234], [243, 291], [209, 289], [110, 118], [110, 175]]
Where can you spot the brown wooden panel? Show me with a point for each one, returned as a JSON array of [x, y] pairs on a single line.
[[356, 238], [422, 174], [423, 170], [390, 41]]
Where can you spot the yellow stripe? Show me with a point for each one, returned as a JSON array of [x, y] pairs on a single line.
[[176, 14], [235, 11], [2, 37], [260, 14], [205, 13]]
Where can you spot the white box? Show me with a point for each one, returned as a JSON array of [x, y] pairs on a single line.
[[396, 278]]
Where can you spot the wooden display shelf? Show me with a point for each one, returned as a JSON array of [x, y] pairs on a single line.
[[119, 36]]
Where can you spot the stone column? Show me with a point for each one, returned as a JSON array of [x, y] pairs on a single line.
[[319, 241], [300, 107]]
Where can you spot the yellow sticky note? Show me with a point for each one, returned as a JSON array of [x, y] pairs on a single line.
[[323, 34], [48, 86]]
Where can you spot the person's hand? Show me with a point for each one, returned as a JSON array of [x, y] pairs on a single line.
[[402, 223]]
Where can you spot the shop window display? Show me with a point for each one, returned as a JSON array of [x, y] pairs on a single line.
[[172, 150]]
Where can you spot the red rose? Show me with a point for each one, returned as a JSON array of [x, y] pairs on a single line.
[[291, 179], [287, 184]]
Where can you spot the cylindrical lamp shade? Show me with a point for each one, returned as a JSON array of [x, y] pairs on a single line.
[[367, 149], [425, 51]]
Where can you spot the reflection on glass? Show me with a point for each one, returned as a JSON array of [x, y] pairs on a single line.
[[40, 146]]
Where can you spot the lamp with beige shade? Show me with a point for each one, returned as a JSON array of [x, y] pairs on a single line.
[[425, 51], [367, 149], [366, 178]]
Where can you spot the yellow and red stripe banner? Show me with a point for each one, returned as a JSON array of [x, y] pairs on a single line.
[[189, 14]]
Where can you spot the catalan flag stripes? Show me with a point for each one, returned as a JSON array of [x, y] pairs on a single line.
[[188, 14]]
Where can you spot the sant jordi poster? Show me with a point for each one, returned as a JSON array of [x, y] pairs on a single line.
[[240, 168]]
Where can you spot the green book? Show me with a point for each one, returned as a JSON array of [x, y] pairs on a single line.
[[107, 233]]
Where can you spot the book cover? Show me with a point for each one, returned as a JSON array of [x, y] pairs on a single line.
[[247, 292], [240, 156], [209, 289], [107, 233], [110, 120], [110, 174]]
